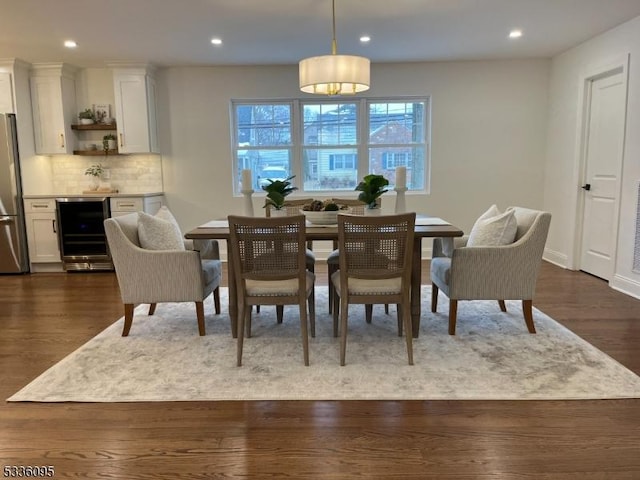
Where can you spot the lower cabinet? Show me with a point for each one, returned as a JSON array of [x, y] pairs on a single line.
[[126, 205], [42, 231]]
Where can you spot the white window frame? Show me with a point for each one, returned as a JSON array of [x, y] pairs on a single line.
[[362, 136]]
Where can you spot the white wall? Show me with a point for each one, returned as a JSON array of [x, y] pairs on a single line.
[[561, 187], [488, 135]]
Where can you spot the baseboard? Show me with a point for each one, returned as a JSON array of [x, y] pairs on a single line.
[[625, 285], [557, 258]]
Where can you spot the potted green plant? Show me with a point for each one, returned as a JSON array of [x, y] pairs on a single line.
[[108, 143], [277, 191], [370, 188], [95, 171], [87, 117]]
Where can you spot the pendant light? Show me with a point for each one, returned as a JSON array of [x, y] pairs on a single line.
[[334, 74]]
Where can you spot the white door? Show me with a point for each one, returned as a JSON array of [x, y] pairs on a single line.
[[604, 148]]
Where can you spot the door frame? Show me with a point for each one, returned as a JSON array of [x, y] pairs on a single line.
[[619, 64]]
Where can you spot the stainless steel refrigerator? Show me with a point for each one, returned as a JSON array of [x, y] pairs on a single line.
[[13, 236]]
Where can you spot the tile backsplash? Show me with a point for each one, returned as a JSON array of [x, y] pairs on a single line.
[[128, 173]]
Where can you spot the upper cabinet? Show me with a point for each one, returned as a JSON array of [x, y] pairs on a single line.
[[6, 93], [53, 97], [135, 109]]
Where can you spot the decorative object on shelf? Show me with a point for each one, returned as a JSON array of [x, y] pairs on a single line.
[[401, 188], [371, 187], [102, 113], [108, 143], [247, 191], [86, 117], [277, 191], [95, 171], [324, 212], [334, 74]]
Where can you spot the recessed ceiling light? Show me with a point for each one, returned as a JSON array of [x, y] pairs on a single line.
[[70, 44], [515, 33], [216, 41], [365, 38]]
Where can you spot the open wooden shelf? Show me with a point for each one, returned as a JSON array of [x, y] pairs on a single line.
[[95, 126], [95, 153]]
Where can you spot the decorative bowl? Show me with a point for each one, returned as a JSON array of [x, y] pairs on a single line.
[[323, 217]]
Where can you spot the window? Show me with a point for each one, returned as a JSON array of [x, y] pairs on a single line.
[[330, 145]]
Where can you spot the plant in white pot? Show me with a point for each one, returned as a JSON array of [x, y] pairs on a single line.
[[108, 143], [277, 191], [87, 117], [371, 188], [95, 171]]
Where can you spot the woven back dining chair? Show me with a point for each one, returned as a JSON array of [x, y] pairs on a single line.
[[357, 208], [268, 261], [292, 207], [375, 267]]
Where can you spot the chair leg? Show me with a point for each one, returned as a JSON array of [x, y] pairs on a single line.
[[241, 314], [305, 332], [400, 318], [368, 310], [336, 312], [257, 308], [247, 320], [528, 315], [406, 316], [216, 300], [128, 318], [279, 312], [200, 315], [386, 309], [434, 298], [453, 312], [332, 291], [503, 306], [152, 308], [312, 312], [344, 307]]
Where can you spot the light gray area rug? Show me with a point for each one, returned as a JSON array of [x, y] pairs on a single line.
[[492, 356]]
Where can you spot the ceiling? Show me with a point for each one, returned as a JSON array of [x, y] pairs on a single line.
[[261, 32]]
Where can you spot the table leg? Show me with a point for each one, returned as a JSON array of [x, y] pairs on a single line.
[[233, 294], [416, 279]]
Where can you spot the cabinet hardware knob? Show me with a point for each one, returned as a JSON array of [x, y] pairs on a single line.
[[53, 225], [586, 186]]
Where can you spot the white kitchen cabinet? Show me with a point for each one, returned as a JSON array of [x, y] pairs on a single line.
[[125, 205], [135, 109], [42, 230], [53, 100], [6, 93]]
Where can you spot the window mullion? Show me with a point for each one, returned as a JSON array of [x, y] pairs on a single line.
[[363, 138]]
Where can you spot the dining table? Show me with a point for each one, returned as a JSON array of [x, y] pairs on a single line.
[[426, 227]]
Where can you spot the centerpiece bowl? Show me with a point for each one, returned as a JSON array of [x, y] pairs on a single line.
[[317, 214]]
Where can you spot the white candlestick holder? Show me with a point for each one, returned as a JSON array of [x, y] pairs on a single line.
[[401, 205], [248, 202]]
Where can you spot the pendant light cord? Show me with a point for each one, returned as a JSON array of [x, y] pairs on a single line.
[[334, 43]]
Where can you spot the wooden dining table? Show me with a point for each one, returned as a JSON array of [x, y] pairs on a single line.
[[426, 227]]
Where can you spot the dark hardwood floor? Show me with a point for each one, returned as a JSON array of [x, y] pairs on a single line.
[[44, 317]]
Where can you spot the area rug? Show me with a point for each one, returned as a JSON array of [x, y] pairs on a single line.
[[491, 357]]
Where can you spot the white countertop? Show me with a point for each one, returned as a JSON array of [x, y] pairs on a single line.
[[90, 195]]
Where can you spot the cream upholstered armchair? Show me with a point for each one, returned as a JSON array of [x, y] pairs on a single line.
[[506, 272], [155, 276]]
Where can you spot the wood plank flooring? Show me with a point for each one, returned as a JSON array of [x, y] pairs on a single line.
[[44, 317]]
